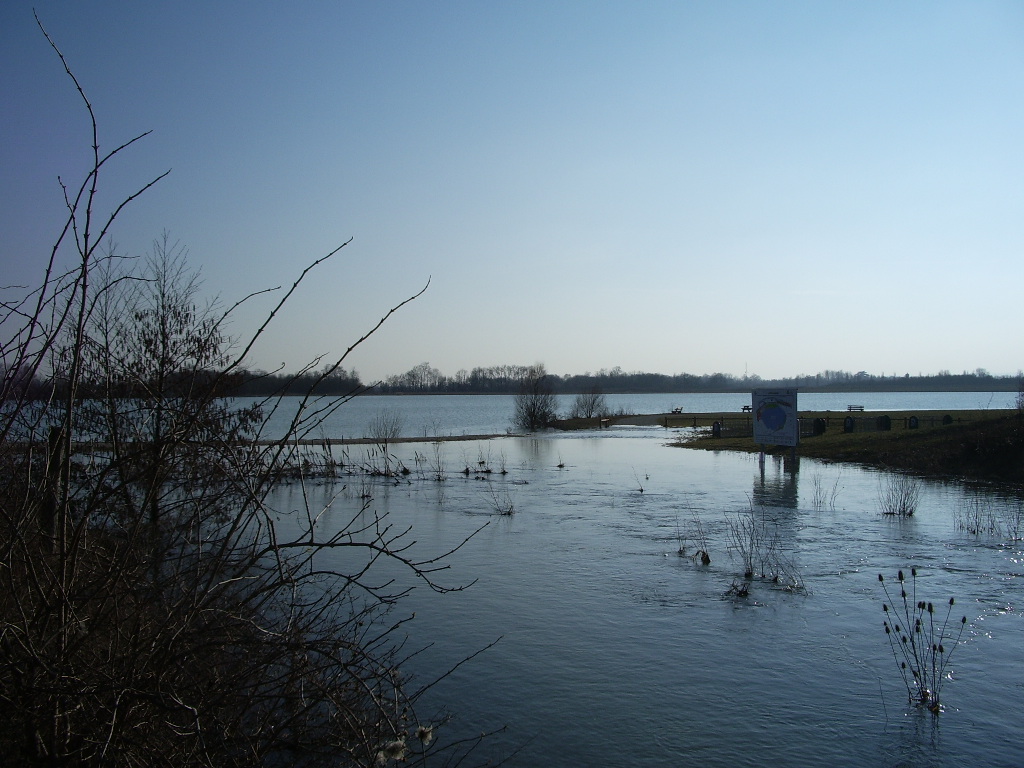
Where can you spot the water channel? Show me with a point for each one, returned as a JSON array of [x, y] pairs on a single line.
[[617, 650]]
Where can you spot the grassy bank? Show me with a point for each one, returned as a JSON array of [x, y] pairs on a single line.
[[976, 444]]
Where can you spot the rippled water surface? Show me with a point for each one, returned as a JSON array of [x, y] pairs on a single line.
[[615, 650]]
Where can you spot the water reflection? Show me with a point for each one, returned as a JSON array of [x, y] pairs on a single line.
[[775, 484], [539, 450], [911, 741]]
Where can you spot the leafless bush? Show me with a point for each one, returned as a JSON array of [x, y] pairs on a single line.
[[536, 402], [385, 428], [500, 498], [589, 405], [899, 494], [483, 461], [755, 541], [155, 607], [693, 541], [822, 496], [1013, 520], [437, 456], [977, 517], [437, 465], [981, 517]]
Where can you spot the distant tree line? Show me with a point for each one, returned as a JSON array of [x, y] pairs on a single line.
[[332, 382], [508, 380], [240, 383]]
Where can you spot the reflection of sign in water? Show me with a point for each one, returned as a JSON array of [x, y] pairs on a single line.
[[775, 417]]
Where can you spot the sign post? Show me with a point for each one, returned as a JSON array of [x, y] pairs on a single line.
[[775, 417]]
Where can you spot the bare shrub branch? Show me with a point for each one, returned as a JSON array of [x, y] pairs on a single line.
[[156, 606]]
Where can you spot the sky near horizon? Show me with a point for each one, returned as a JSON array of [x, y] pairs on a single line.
[[772, 188]]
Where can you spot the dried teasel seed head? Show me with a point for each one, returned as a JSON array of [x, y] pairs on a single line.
[[951, 601], [941, 649], [913, 572], [880, 577], [931, 608], [900, 576], [963, 620]]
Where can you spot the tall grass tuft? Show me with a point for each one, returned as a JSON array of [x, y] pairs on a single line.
[[921, 644]]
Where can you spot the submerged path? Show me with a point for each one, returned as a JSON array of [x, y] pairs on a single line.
[[389, 441], [950, 443]]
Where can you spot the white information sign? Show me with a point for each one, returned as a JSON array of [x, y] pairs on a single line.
[[775, 417]]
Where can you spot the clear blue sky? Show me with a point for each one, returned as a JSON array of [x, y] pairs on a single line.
[[770, 187]]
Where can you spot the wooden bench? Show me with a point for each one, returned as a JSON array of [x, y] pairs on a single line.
[[855, 407], [748, 408]]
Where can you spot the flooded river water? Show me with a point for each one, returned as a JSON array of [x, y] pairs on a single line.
[[615, 649]]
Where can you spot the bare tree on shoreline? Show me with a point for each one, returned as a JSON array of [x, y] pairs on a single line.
[[155, 607], [589, 405], [536, 403]]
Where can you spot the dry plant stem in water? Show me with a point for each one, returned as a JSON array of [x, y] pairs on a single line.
[[699, 538], [823, 497], [500, 499], [921, 644], [980, 518]]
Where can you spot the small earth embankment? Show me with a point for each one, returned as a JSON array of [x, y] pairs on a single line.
[[965, 444]]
